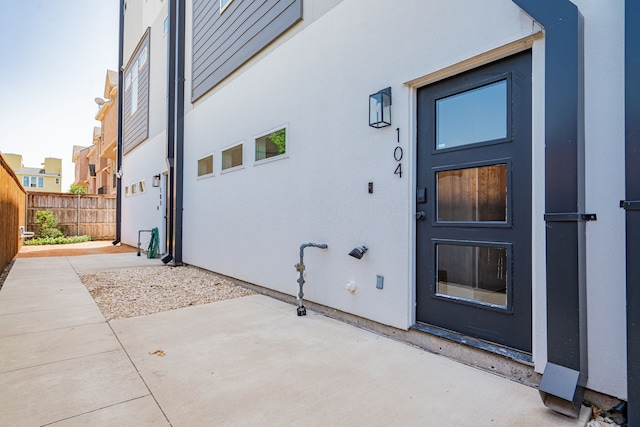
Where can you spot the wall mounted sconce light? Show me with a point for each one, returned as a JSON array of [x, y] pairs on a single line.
[[156, 180], [358, 253], [380, 108]]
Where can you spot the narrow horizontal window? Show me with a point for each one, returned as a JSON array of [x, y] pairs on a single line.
[[271, 145], [205, 166], [232, 157]]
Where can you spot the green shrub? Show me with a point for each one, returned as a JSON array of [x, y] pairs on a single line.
[[56, 240], [47, 225]]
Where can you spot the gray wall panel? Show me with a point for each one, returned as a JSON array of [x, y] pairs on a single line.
[[222, 43], [136, 126]]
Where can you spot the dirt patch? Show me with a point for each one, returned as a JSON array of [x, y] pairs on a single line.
[[74, 249]]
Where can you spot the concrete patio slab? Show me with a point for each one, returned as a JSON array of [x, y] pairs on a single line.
[[39, 348], [65, 298], [94, 263], [141, 412], [243, 362], [42, 394], [252, 361], [46, 320]]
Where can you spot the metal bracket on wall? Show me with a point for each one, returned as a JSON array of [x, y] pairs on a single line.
[[569, 217], [627, 205]]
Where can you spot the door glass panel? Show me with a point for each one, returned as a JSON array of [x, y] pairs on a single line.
[[472, 194], [474, 273], [477, 115]]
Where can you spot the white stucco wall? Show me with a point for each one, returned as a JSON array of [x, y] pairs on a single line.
[[604, 173], [145, 211], [249, 223]]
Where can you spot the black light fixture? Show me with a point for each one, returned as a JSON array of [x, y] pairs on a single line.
[[380, 108], [156, 180], [358, 253]]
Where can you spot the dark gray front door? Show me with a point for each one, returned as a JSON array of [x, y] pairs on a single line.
[[473, 256]]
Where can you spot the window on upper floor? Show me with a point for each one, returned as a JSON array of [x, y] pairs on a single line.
[[224, 4], [165, 27], [25, 181], [142, 186], [134, 88], [142, 60], [40, 182]]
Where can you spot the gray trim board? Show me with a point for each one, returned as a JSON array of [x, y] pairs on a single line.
[[564, 378], [632, 194], [221, 43]]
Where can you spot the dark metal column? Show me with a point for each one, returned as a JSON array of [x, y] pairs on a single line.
[[565, 375], [632, 205], [175, 129], [119, 130]]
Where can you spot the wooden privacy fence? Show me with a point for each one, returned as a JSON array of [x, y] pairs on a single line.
[[77, 215], [12, 199]]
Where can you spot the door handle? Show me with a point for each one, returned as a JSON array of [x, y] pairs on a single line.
[[421, 215]]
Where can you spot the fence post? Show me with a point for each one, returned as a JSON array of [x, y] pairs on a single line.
[[78, 215]]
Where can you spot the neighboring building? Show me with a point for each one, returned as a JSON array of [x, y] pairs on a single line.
[[506, 134], [79, 158], [96, 164], [47, 178]]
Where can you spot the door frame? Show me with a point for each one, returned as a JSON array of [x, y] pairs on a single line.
[[538, 274]]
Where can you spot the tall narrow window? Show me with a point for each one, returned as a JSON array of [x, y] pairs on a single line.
[[40, 182], [224, 4], [25, 181], [272, 144], [134, 88], [34, 182]]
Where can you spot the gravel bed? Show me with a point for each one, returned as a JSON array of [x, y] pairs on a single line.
[[147, 290]]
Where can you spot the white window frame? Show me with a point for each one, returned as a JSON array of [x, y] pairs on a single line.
[[272, 158], [165, 26], [213, 166], [224, 4], [233, 168]]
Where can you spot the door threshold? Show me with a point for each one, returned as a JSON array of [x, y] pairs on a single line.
[[510, 353]]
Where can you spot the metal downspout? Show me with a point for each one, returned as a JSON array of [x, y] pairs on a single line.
[[175, 130], [119, 130], [179, 129], [632, 206], [566, 372], [170, 153]]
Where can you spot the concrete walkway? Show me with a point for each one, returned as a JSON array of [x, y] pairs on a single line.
[[244, 362]]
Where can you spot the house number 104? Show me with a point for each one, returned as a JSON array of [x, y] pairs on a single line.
[[397, 155]]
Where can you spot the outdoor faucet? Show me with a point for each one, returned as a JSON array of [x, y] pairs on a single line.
[[302, 311]]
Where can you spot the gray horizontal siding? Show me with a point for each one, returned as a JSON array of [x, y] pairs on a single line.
[[136, 127], [222, 43]]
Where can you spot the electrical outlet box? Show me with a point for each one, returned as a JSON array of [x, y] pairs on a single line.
[[379, 281]]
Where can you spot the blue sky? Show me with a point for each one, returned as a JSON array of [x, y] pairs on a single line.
[[54, 55]]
